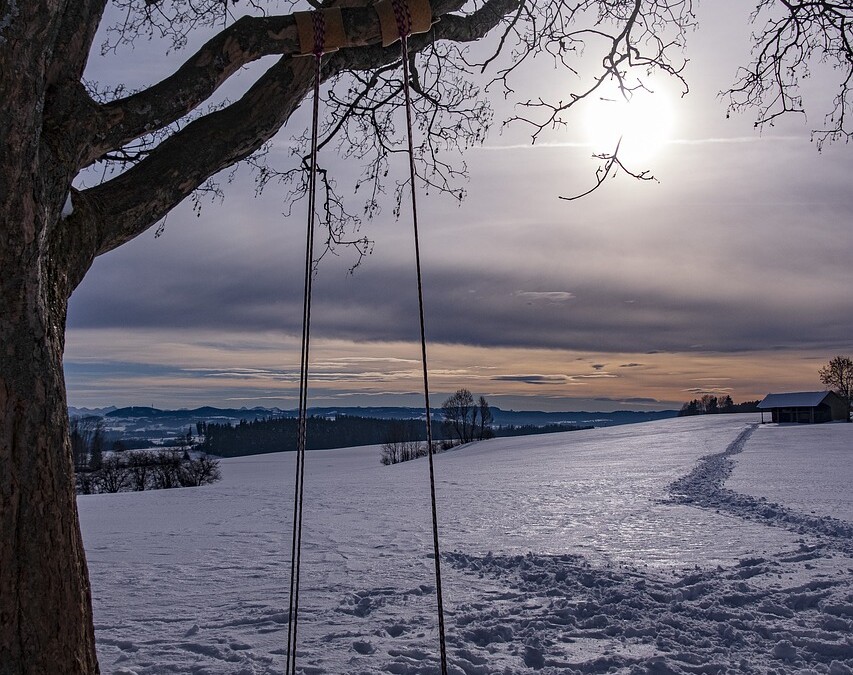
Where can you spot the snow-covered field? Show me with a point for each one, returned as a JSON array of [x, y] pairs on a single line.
[[693, 545]]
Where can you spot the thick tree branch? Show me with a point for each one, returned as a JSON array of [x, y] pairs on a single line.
[[454, 27], [80, 21], [478, 24], [195, 81], [247, 40], [130, 203], [66, 101]]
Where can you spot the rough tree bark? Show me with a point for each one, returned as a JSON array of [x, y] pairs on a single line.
[[45, 610]]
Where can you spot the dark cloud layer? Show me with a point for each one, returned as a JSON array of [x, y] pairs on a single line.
[[533, 379], [466, 306]]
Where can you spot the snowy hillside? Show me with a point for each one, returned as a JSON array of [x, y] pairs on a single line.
[[692, 545]]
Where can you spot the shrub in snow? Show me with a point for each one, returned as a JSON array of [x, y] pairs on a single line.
[[137, 470]]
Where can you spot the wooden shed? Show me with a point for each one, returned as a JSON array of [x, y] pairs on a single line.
[[804, 407]]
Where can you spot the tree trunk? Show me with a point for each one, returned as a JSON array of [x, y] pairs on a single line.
[[45, 606]]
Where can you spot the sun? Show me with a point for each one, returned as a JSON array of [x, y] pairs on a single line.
[[641, 125]]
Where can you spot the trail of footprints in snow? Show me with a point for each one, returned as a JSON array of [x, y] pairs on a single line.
[[561, 615], [703, 487], [558, 614]]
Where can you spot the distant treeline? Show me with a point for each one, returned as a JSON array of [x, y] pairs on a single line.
[[278, 434], [709, 405], [530, 429]]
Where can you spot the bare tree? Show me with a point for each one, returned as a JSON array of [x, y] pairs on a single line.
[[157, 146], [86, 443], [390, 453], [142, 470], [400, 443], [838, 376], [96, 445], [85, 482], [140, 466], [201, 470], [460, 415], [484, 430], [797, 38], [113, 475], [167, 469], [708, 404], [80, 436], [466, 419]]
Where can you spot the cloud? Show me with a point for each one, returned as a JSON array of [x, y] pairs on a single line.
[[245, 374], [530, 146], [371, 359], [185, 368], [737, 140], [727, 140], [549, 296], [533, 379], [707, 390], [636, 400], [380, 303]]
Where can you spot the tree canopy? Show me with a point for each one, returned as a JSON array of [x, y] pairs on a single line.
[[838, 376]]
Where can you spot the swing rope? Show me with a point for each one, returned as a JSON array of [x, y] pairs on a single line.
[[321, 32], [403, 17], [318, 31]]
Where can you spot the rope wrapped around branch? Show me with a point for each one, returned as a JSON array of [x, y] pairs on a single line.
[[320, 32], [401, 18]]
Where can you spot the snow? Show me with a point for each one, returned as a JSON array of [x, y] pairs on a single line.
[[797, 399], [695, 545], [805, 467], [67, 207]]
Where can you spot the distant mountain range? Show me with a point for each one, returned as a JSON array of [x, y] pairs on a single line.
[[140, 422]]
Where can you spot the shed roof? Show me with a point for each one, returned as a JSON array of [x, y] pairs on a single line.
[[797, 399]]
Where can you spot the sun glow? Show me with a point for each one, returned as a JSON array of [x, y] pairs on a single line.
[[640, 126]]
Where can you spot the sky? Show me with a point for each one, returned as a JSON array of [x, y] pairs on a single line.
[[728, 275]]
